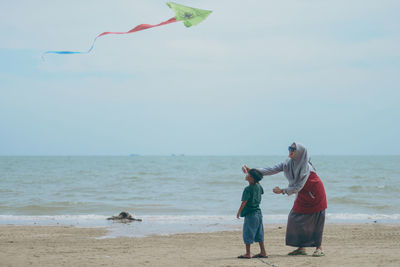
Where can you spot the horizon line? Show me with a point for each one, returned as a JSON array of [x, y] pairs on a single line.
[[180, 155]]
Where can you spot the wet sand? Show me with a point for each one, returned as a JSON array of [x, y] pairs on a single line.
[[344, 245]]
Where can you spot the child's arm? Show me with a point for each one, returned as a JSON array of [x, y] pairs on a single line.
[[241, 208]]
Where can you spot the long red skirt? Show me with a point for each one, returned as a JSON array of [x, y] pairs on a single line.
[[312, 197]]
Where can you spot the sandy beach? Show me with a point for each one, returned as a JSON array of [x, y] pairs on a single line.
[[344, 245]]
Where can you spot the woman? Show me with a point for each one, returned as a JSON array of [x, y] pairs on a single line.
[[307, 218]]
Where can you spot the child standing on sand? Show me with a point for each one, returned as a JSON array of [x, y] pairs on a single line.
[[253, 229]]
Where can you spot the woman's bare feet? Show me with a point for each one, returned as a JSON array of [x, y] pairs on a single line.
[[299, 251], [318, 252]]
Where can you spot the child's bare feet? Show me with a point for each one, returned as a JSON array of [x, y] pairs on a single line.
[[260, 255]]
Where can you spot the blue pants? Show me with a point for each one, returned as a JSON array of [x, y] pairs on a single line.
[[253, 229]]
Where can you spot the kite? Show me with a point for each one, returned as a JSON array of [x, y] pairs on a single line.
[[189, 15]]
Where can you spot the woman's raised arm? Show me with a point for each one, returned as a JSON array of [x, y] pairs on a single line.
[[272, 170]]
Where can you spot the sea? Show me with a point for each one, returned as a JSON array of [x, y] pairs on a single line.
[[182, 194]]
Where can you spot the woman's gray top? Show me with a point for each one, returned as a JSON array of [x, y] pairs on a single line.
[[296, 170]]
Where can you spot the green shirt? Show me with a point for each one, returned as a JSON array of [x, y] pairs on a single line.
[[252, 194]]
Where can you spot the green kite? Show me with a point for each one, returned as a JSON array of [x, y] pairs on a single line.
[[189, 15]]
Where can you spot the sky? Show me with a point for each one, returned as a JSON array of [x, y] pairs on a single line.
[[249, 80]]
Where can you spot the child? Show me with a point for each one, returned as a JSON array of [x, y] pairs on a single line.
[[253, 229]]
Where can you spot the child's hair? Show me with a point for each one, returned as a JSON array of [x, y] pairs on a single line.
[[256, 174]]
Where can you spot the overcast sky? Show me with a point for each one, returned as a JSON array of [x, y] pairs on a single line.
[[252, 78]]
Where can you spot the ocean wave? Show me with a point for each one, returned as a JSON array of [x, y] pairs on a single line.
[[225, 183], [6, 190], [356, 188], [50, 206], [347, 200], [380, 188]]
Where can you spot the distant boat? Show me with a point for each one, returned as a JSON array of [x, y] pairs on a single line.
[[134, 155]]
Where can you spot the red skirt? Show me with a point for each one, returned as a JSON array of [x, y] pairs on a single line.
[[312, 197]]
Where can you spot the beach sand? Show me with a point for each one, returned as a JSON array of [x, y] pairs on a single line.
[[344, 245]]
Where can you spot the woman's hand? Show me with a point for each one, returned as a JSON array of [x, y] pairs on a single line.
[[245, 169], [277, 190]]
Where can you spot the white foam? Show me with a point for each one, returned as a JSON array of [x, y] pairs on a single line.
[[52, 217], [171, 219], [362, 216], [90, 220]]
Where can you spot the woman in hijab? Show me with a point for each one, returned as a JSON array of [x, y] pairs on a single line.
[[307, 218]]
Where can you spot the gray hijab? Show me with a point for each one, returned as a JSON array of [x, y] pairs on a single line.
[[297, 170]]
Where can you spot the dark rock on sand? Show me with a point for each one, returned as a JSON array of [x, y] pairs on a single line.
[[124, 217]]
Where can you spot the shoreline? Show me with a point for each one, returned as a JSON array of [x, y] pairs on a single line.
[[373, 244], [165, 225], [179, 224]]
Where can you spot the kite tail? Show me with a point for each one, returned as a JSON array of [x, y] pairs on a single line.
[[70, 52], [136, 29]]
